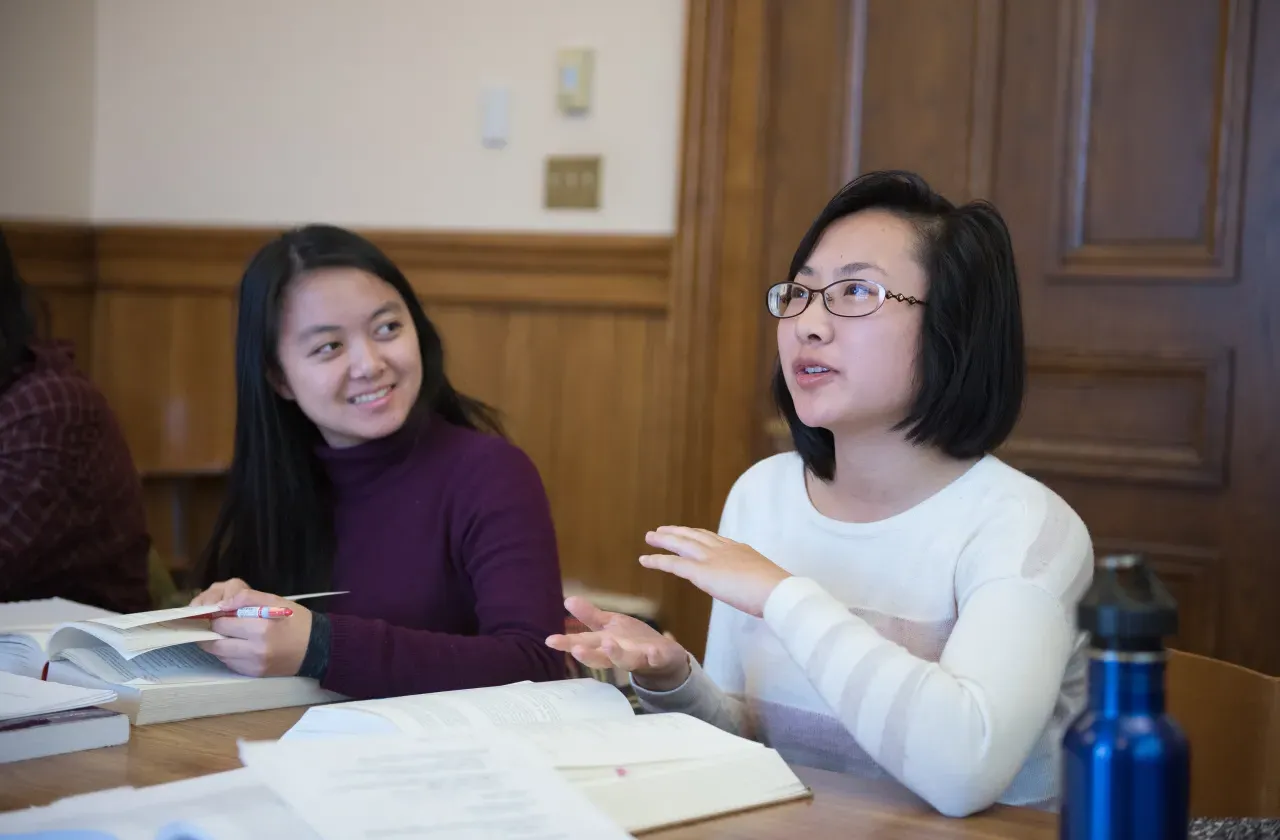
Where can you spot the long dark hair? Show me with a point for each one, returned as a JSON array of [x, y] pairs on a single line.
[[971, 371], [274, 529], [17, 322]]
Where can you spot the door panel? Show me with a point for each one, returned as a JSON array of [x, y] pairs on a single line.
[[1134, 149]]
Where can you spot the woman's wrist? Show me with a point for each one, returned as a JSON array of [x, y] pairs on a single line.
[[667, 679], [315, 662]]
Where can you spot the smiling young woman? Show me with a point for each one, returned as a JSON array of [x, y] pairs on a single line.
[[359, 468], [890, 597]]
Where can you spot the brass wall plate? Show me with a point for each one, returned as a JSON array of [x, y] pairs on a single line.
[[572, 183]]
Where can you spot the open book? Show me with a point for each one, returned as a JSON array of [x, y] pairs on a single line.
[[645, 771], [25, 627], [151, 661]]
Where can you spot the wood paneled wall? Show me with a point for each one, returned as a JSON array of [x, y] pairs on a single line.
[[568, 336], [624, 365], [1131, 146]]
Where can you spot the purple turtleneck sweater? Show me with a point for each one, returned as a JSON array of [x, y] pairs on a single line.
[[445, 541]]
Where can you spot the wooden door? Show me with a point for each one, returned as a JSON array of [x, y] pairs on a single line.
[[1134, 149]]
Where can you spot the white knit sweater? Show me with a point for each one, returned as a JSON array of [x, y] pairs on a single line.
[[938, 646]]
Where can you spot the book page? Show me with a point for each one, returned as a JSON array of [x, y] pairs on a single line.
[[652, 796], [166, 666], [24, 696], [641, 739], [472, 787], [486, 708], [24, 654], [129, 642]]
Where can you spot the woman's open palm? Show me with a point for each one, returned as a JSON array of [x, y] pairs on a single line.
[[619, 641]]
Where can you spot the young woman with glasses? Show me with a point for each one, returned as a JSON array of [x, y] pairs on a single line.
[[890, 598], [359, 468]]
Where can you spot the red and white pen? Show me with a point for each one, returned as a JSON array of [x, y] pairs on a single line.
[[256, 612]]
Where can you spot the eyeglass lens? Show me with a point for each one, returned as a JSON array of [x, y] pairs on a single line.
[[848, 298]]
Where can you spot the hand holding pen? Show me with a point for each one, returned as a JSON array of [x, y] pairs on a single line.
[[253, 612], [257, 648]]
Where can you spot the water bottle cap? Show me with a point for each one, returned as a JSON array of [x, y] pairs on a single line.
[[1126, 607]]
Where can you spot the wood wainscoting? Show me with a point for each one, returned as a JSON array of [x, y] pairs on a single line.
[[568, 336], [625, 365]]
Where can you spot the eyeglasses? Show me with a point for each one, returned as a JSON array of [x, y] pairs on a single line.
[[845, 298]]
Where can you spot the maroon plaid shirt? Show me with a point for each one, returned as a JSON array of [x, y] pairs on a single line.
[[72, 521]]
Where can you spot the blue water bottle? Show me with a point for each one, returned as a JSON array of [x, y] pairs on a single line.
[[1126, 771]]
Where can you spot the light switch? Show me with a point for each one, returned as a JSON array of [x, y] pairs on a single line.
[[574, 69], [572, 183], [494, 109]]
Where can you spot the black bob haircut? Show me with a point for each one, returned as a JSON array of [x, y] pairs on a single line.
[[971, 364], [275, 527], [17, 321]]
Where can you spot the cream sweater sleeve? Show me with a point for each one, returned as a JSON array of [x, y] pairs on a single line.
[[712, 693], [956, 731]]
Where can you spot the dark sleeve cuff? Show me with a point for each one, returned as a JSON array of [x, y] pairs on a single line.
[[316, 661]]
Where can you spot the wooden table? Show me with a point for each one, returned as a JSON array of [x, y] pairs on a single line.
[[842, 807]]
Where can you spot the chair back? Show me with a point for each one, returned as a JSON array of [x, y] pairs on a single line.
[[1232, 717]]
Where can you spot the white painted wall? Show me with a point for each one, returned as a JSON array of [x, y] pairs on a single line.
[[46, 108], [367, 112]]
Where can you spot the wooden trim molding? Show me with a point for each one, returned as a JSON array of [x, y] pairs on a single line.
[[617, 272], [53, 255], [581, 270], [719, 245]]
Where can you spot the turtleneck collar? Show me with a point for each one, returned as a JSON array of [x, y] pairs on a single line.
[[354, 469]]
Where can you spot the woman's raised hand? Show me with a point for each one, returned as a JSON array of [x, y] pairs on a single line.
[[656, 662]]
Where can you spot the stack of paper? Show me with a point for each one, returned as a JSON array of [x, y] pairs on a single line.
[[39, 718], [192, 808], [646, 772], [463, 789], [23, 696]]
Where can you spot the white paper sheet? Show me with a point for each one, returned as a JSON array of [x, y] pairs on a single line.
[[126, 622], [45, 613], [221, 806], [519, 704], [22, 696], [478, 786]]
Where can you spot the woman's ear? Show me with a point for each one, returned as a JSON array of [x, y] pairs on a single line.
[[278, 383]]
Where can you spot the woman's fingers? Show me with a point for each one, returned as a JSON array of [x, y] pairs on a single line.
[[680, 543], [602, 650], [698, 535], [208, 597], [219, 591], [587, 612], [246, 597], [240, 628], [620, 656], [566, 642], [671, 564], [228, 649], [592, 657]]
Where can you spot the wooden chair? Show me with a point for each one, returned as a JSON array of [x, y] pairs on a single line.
[[1232, 717]]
